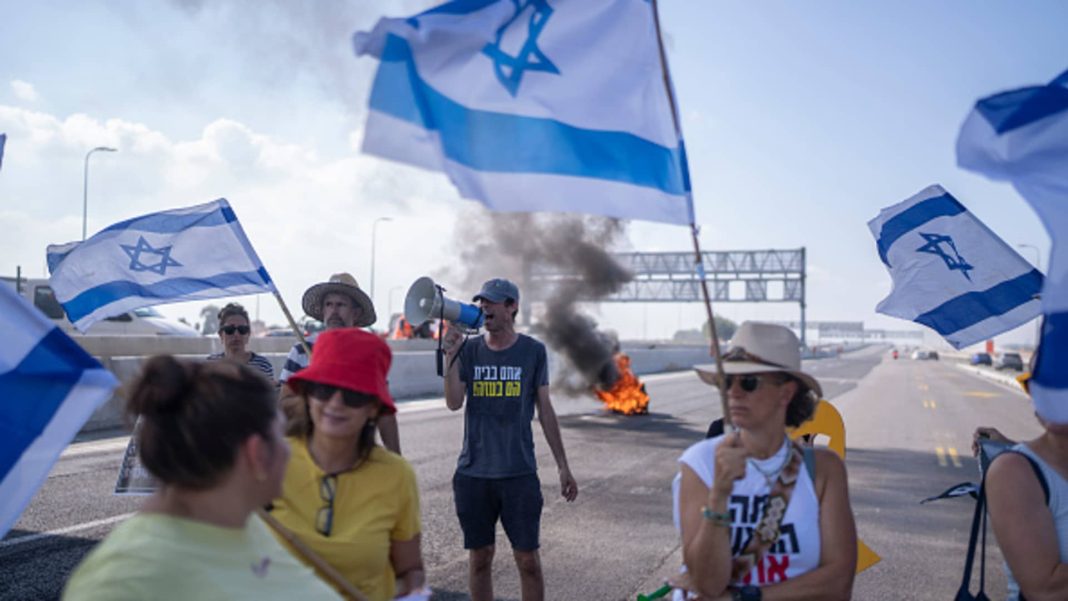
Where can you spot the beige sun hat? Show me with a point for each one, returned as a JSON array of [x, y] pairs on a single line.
[[341, 283], [761, 348]]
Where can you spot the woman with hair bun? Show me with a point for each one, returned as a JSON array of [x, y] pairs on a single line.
[[212, 436]]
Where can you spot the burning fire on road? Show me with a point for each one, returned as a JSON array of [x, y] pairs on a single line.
[[627, 395]]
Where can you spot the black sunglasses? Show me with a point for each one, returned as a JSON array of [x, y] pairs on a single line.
[[748, 382], [229, 330], [324, 392], [324, 519]]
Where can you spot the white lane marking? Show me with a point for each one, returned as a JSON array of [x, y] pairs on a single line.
[[97, 446], [417, 406], [61, 531]]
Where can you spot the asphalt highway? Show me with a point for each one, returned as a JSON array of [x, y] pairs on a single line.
[[908, 425]]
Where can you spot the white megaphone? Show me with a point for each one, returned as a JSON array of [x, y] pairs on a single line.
[[426, 300]]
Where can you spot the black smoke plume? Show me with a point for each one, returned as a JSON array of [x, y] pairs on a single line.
[[559, 260]]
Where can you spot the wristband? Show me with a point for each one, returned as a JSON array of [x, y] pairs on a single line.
[[719, 519]]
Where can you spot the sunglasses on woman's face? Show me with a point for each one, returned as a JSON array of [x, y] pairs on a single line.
[[325, 392], [229, 330], [748, 382]]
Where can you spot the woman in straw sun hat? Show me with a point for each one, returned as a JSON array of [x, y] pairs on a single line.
[[759, 514]]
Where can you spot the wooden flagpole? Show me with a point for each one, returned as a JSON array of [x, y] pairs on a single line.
[[698, 258], [328, 572], [292, 324]]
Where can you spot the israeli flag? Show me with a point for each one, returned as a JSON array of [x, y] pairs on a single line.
[[529, 105], [950, 272], [49, 387], [185, 254], [1021, 136]]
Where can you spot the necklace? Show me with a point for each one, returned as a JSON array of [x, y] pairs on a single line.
[[771, 475]]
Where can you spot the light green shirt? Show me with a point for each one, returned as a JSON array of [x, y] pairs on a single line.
[[156, 556]]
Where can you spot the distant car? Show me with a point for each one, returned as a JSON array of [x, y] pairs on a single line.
[[1009, 361], [981, 359], [919, 355], [932, 355]]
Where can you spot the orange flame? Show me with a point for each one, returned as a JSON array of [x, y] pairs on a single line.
[[627, 395], [403, 330]]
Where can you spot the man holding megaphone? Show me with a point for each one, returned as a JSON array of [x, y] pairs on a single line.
[[503, 375]]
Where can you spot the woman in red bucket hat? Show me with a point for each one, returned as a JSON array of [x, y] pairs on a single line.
[[354, 503]]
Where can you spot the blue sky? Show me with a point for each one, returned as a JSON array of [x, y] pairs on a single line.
[[802, 120]]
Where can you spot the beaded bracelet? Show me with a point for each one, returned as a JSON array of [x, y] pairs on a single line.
[[719, 519]]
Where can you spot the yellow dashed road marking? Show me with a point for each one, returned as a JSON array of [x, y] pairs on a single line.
[[923, 387], [983, 395], [954, 457], [929, 404], [941, 456]]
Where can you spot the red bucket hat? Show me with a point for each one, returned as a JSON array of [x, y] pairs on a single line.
[[350, 358]]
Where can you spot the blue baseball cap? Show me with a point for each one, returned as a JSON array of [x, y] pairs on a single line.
[[498, 290]]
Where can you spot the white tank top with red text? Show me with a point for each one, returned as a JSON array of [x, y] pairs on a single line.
[[798, 549]]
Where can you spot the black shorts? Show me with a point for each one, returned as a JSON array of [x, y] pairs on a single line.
[[516, 501]]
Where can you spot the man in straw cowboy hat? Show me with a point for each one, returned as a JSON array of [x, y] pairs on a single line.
[[337, 303]]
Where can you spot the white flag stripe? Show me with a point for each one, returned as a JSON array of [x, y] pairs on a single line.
[[20, 340], [117, 269]]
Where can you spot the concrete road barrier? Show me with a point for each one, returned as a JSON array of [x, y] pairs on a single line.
[[413, 374]]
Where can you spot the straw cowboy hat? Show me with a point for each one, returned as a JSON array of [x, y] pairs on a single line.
[[761, 348], [341, 283]]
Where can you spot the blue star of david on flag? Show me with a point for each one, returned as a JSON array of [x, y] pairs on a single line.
[[142, 247], [934, 246], [510, 69]]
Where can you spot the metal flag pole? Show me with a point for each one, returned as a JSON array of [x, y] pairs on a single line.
[[698, 257]]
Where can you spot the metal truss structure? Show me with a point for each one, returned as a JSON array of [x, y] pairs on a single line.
[[671, 277]]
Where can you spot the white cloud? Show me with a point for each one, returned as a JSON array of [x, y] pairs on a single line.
[[24, 91], [307, 215]]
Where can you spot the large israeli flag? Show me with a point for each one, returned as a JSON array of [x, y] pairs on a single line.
[[49, 387], [184, 254], [1021, 136], [950, 272], [529, 105]]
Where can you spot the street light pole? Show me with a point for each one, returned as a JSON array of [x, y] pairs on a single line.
[[85, 185], [1038, 266], [391, 291], [374, 239]]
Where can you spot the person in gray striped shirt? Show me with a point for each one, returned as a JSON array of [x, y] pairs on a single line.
[[338, 303], [234, 331]]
